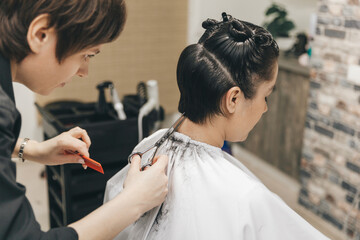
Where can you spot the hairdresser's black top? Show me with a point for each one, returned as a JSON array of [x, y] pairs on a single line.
[[17, 220]]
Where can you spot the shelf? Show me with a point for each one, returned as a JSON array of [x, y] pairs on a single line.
[[56, 218], [56, 198], [57, 176]]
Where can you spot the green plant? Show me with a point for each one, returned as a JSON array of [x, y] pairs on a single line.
[[278, 25]]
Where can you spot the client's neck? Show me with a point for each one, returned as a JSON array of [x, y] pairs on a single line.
[[210, 132]]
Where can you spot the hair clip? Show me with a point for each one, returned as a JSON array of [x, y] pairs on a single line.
[[225, 17]]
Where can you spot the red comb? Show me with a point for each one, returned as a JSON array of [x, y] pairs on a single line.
[[90, 162]]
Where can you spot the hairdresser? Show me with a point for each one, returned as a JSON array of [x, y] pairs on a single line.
[[43, 44]]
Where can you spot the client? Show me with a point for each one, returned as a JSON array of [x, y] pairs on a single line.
[[224, 81]]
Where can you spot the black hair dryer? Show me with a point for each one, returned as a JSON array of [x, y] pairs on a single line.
[[101, 106]]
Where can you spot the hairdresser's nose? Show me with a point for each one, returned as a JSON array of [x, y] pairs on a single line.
[[83, 70]]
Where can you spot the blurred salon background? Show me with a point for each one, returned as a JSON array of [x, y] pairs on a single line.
[[306, 148]]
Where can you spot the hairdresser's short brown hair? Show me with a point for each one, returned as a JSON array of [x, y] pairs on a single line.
[[79, 24]]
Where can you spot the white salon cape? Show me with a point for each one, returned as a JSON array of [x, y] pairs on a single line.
[[212, 196]]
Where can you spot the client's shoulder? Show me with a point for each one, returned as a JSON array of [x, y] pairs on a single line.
[[224, 178], [241, 185]]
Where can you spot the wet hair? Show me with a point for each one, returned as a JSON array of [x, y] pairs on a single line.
[[79, 24], [230, 53]]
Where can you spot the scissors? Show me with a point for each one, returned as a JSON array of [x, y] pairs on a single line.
[[158, 143]]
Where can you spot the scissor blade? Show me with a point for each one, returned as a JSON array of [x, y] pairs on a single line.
[[170, 131]]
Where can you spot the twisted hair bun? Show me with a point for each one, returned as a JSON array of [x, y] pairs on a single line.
[[239, 31], [263, 39], [209, 23]]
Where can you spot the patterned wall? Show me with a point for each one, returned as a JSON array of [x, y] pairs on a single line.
[[330, 164]]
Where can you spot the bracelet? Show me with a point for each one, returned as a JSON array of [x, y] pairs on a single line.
[[21, 150]]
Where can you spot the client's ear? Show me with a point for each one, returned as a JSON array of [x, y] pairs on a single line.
[[39, 35], [232, 98]]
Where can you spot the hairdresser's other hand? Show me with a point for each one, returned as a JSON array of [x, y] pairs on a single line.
[[55, 151], [148, 188]]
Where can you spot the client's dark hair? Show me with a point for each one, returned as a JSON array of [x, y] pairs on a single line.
[[230, 53], [79, 24]]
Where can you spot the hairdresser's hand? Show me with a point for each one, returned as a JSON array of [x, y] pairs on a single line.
[[55, 150], [148, 188]]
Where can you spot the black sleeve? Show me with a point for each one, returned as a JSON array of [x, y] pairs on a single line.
[[17, 220]]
